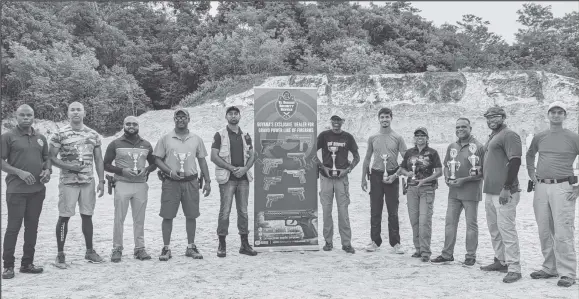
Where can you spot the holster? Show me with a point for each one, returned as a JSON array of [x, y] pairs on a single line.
[[111, 183]]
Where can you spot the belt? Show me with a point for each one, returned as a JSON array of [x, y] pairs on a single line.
[[185, 179], [411, 184], [553, 181]]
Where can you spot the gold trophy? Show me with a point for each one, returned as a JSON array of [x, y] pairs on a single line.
[[182, 157], [334, 149], [413, 161], [473, 159], [385, 160], [453, 165], [135, 156], [80, 148]]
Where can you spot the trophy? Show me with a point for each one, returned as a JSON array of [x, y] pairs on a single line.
[[413, 161], [473, 159], [334, 150], [181, 157], [385, 160], [135, 156], [453, 165], [80, 148]]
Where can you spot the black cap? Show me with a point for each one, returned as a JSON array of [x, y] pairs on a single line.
[[496, 110], [232, 108]]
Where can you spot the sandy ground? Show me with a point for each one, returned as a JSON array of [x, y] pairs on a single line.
[[312, 274]]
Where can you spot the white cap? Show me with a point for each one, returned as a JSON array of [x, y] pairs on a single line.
[[339, 114], [557, 104]]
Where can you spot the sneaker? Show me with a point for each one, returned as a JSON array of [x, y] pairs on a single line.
[[469, 262], [328, 246], [425, 259], [141, 254], [349, 249], [60, 261], [116, 255], [398, 249], [372, 247], [541, 275], [440, 259], [8, 273], [165, 254], [566, 281], [193, 252], [416, 254], [93, 257], [31, 269], [496, 266], [512, 277]]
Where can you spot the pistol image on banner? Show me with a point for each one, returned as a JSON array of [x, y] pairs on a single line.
[[298, 157], [302, 140], [301, 174], [110, 183], [271, 198], [404, 186], [299, 192], [303, 218], [269, 163], [270, 180], [268, 144]]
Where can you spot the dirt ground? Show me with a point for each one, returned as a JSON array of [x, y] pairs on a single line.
[[312, 274]]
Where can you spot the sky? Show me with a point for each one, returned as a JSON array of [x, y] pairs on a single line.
[[502, 15]]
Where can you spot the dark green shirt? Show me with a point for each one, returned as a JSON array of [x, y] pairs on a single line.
[[27, 152], [502, 146], [471, 190]]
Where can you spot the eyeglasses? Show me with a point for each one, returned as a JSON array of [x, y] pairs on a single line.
[[181, 118], [494, 116]]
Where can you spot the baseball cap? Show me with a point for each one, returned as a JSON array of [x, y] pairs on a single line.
[[232, 108], [421, 129], [496, 110], [182, 110], [338, 115], [557, 104]]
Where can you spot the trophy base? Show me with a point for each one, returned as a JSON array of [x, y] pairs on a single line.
[[473, 172], [179, 173]]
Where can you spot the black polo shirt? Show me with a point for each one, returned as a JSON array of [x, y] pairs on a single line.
[[428, 160], [118, 151], [235, 148], [27, 152]]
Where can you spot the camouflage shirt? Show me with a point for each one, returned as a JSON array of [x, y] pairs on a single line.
[[76, 147]]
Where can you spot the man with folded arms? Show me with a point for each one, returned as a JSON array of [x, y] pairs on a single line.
[[556, 191]]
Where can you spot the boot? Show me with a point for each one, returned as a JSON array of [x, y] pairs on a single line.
[[221, 250], [245, 247]]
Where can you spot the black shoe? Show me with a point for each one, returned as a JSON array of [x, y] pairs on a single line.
[[416, 254], [328, 247], [425, 259], [496, 266], [8, 273], [469, 262], [566, 281], [222, 248], [349, 249], [117, 254], [441, 259], [541, 275], [245, 247], [31, 269], [165, 254], [141, 254], [512, 277], [194, 253]]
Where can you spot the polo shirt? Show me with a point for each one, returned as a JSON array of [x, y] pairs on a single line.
[[427, 160], [121, 150], [171, 144], [557, 151], [235, 149], [471, 190], [500, 148], [27, 152]]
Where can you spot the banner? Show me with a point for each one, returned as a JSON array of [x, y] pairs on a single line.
[[286, 205]]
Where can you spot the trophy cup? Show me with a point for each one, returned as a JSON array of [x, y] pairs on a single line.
[[135, 156], [413, 161], [181, 157], [453, 165], [80, 148], [473, 159], [385, 160], [334, 150]]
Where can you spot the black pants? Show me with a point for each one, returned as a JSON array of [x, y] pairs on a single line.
[[27, 207], [378, 193]]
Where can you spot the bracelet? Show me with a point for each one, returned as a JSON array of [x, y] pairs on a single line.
[[171, 173]]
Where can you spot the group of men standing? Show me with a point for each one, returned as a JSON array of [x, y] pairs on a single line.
[[28, 158]]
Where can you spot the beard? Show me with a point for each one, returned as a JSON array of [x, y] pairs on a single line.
[[233, 121], [128, 133]]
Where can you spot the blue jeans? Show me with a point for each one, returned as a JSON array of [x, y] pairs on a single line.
[[239, 188]]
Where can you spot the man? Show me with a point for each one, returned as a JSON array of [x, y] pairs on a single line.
[[232, 153], [421, 164], [336, 184], [385, 144], [501, 187], [130, 151], [25, 160], [464, 192], [180, 180], [556, 191], [78, 146]]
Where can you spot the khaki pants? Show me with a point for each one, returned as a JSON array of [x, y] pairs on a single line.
[[555, 216], [455, 207], [420, 201], [136, 194], [339, 188], [501, 220]]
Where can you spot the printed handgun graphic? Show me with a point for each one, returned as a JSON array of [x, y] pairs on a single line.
[[298, 157], [301, 174], [269, 163], [270, 181], [271, 198], [299, 192], [303, 218]]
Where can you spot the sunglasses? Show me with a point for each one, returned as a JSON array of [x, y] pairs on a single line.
[[420, 135], [181, 118]]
